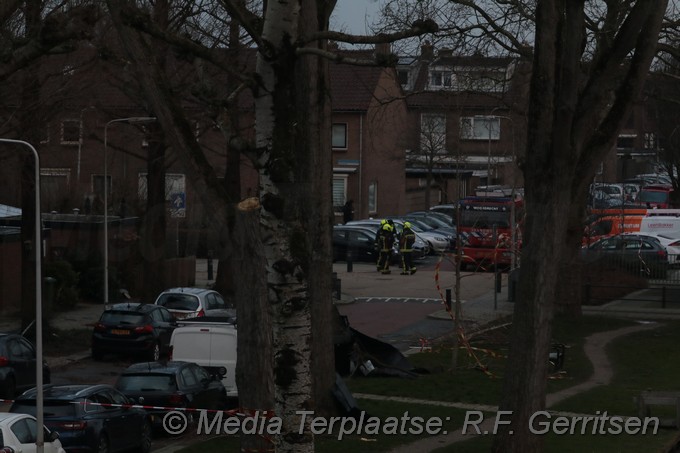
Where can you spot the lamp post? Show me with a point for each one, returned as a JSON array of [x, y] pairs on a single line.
[[39, 415], [129, 120]]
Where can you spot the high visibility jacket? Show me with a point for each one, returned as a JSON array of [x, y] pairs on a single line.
[[408, 238]]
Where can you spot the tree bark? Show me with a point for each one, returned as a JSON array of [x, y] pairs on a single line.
[[293, 136], [575, 113]]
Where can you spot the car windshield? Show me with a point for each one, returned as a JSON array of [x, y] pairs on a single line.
[[147, 383], [653, 196], [51, 408], [122, 317], [176, 301]]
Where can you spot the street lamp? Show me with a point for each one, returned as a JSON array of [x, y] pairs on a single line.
[[40, 435], [130, 120]]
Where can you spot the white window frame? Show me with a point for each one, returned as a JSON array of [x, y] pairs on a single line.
[[336, 133], [174, 183], [480, 128], [339, 192], [372, 198], [76, 124], [441, 78]]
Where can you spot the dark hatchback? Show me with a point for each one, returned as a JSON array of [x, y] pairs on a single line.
[[638, 254], [17, 365], [173, 384], [90, 418], [133, 328]]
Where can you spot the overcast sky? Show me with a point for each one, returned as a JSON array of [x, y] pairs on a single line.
[[351, 14]]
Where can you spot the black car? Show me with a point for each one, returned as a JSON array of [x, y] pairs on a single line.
[[18, 365], [173, 384], [133, 328], [361, 240], [90, 418], [637, 253]]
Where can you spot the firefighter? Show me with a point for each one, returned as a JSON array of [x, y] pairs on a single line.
[[378, 236], [406, 241], [386, 243]]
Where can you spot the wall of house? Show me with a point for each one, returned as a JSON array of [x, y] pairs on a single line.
[[384, 148]]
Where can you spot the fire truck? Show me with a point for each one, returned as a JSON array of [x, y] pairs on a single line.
[[485, 230]]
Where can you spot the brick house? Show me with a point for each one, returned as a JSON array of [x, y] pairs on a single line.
[[369, 117], [466, 123]]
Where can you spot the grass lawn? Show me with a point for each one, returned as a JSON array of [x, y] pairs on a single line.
[[645, 360]]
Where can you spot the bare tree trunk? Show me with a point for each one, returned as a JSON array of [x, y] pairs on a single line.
[[153, 228], [573, 121], [294, 138], [254, 376]]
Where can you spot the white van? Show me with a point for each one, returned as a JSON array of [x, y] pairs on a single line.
[[661, 224], [209, 344]]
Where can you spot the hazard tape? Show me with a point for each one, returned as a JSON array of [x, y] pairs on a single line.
[[461, 332], [239, 412]]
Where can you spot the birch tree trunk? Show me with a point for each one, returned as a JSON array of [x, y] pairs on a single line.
[[295, 182]]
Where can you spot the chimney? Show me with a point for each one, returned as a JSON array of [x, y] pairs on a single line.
[[384, 48], [427, 51]]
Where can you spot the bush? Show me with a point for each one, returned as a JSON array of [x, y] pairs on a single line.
[[66, 294]]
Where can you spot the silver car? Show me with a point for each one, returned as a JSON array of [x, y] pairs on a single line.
[[186, 302]]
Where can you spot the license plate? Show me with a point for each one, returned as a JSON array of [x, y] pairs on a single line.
[[120, 332]]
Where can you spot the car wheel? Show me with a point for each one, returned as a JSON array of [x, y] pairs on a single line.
[[155, 352], [10, 388], [145, 438], [103, 446]]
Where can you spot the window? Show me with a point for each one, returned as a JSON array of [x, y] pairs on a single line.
[[98, 184], [339, 138], [480, 128], [339, 192], [650, 140], [432, 133], [402, 75], [175, 183], [188, 377], [25, 431], [373, 197], [440, 78], [70, 132]]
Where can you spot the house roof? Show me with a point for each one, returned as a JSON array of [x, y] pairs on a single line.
[[353, 87]]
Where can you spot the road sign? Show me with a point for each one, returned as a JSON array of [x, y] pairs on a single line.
[[178, 205]]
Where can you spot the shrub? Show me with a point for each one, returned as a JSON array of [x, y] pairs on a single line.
[[66, 294]]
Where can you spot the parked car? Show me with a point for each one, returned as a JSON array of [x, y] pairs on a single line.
[[448, 209], [439, 240], [210, 344], [133, 328], [185, 302], [90, 418], [635, 252], [18, 433], [18, 365], [436, 242], [446, 219], [173, 384], [362, 239], [669, 243]]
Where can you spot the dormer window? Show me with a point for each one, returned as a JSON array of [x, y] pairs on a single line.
[[440, 78]]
